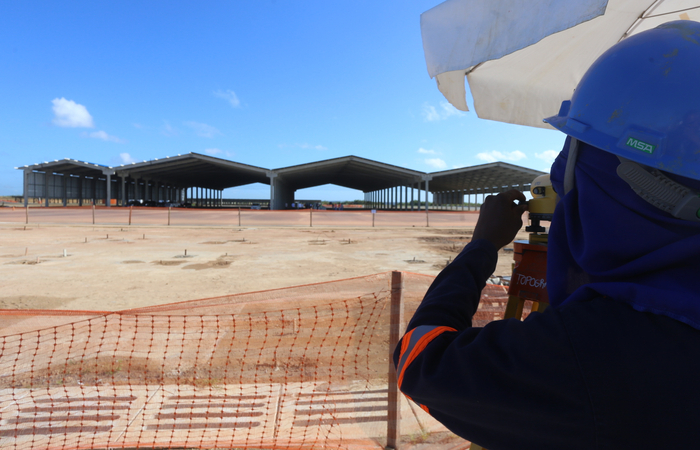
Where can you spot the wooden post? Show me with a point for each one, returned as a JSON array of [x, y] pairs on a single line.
[[168, 215], [427, 219], [239, 216], [93, 214], [130, 209], [396, 327], [373, 214], [311, 217], [26, 214]]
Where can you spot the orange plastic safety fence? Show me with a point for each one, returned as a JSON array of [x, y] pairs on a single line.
[[309, 375]]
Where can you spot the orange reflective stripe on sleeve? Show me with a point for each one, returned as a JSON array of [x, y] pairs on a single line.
[[423, 407], [413, 343]]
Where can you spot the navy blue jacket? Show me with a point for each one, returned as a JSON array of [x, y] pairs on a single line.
[[588, 375]]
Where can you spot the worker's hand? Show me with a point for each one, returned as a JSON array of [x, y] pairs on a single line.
[[501, 218]]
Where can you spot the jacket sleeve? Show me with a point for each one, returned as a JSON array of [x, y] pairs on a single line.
[[511, 384]]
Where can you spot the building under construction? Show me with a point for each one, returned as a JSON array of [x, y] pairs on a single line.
[[201, 179]]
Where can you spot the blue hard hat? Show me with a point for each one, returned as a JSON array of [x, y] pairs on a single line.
[[641, 100]]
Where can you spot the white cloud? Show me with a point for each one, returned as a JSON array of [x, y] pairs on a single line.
[[547, 156], [430, 114], [229, 96], [168, 130], [436, 163], [126, 158], [304, 146], [446, 110], [218, 151], [495, 155], [203, 130], [427, 152], [67, 113], [103, 136]]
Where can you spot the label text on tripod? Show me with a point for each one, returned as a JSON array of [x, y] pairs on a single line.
[[525, 280]]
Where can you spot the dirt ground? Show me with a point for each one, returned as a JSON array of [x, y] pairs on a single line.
[[84, 267]]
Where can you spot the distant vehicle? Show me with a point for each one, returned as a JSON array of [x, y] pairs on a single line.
[[255, 206]]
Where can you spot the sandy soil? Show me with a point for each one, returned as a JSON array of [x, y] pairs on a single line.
[[118, 267]]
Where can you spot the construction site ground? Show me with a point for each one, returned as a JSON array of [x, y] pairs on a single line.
[[64, 263], [111, 267]]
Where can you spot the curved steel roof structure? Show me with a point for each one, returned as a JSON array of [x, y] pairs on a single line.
[[199, 171]]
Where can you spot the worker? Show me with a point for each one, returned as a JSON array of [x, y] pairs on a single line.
[[614, 362]]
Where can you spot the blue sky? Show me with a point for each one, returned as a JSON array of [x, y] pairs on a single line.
[[270, 83]]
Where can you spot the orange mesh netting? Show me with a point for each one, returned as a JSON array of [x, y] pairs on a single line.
[[302, 367]]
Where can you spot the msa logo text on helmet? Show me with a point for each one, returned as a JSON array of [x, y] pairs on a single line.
[[640, 145]]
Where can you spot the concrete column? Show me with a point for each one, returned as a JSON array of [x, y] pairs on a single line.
[[80, 191], [123, 180], [427, 190], [412, 189], [47, 174], [26, 186], [64, 188], [108, 197], [280, 191]]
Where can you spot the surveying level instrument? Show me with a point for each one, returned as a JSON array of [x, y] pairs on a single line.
[[529, 279], [541, 207]]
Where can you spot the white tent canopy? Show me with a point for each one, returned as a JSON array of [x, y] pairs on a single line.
[[514, 73]]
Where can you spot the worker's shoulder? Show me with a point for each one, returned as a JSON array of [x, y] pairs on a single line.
[[610, 316], [610, 332]]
